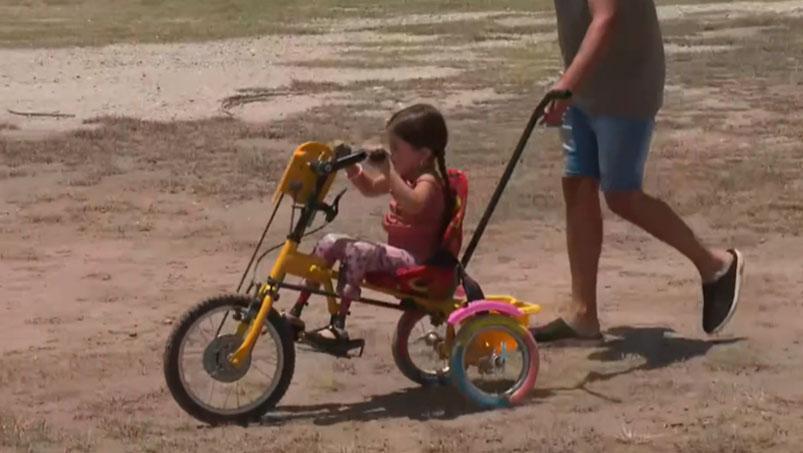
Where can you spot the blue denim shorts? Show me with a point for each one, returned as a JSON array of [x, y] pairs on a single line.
[[609, 149]]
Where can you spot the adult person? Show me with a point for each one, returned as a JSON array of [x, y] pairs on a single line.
[[615, 67]]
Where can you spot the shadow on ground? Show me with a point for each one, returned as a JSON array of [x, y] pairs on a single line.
[[655, 345]]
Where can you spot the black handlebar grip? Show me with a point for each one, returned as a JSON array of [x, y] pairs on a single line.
[[342, 150], [349, 160], [560, 94]]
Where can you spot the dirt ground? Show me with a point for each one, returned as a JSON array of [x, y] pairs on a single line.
[[149, 199]]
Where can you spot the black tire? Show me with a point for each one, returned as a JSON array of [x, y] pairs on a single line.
[[401, 353], [172, 364]]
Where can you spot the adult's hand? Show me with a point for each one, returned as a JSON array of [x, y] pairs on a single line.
[[557, 108]]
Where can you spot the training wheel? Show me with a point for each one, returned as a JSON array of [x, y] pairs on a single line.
[[494, 361]]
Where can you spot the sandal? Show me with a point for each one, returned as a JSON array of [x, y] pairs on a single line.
[[331, 334], [559, 330]]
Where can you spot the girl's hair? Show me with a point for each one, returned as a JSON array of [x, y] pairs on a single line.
[[423, 126]]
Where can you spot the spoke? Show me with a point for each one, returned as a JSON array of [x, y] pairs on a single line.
[[195, 349], [211, 324], [262, 372], [211, 390], [223, 321], [272, 360], [228, 395], [206, 336]]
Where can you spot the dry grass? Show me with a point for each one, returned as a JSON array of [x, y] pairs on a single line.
[[45, 218], [33, 23], [736, 359], [727, 433], [196, 156], [230, 160], [26, 434], [750, 182]]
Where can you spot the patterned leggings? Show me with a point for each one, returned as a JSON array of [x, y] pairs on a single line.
[[358, 258]]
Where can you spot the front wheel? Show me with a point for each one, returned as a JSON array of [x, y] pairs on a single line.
[[198, 372], [494, 361]]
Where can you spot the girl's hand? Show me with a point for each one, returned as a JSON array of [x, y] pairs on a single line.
[[383, 165], [379, 159], [353, 170], [368, 185]]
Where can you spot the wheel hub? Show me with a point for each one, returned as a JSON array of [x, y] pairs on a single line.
[[494, 363], [432, 339], [216, 359]]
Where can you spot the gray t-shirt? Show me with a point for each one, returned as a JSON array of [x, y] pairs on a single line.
[[629, 79]]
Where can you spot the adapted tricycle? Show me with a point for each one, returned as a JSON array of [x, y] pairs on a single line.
[[231, 358]]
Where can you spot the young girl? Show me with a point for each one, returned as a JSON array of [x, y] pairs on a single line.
[[420, 206]]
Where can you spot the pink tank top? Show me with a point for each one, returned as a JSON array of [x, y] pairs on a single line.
[[419, 234]]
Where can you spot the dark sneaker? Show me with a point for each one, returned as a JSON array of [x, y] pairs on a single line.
[[720, 297]]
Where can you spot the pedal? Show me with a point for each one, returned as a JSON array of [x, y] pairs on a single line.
[[335, 347]]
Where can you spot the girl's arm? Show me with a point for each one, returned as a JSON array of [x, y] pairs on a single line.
[[368, 186], [412, 200]]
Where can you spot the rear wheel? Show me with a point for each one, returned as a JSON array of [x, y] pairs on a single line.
[[494, 361], [418, 349], [199, 375]]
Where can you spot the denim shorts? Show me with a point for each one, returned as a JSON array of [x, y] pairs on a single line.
[[609, 149]]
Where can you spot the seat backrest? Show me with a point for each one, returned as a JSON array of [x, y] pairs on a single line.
[[453, 234]]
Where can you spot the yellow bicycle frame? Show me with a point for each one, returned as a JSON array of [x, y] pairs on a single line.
[[299, 182]]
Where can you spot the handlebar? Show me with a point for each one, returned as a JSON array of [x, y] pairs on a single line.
[[349, 160], [536, 116], [344, 157], [550, 97]]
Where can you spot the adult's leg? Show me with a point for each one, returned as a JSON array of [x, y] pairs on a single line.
[[584, 245], [623, 148], [583, 230], [657, 218]]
